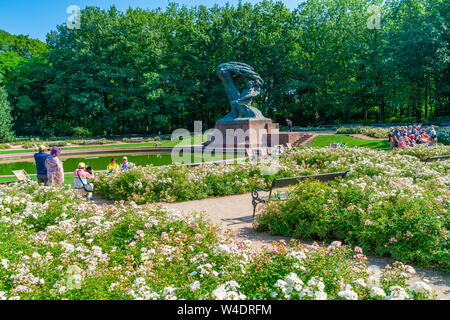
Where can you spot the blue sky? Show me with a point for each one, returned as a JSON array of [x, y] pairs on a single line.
[[37, 17]]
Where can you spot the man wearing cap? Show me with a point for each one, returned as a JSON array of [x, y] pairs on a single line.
[[40, 158], [125, 165]]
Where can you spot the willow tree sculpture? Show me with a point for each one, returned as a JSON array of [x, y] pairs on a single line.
[[241, 108]]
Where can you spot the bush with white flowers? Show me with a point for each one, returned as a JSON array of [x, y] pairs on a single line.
[[53, 245], [390, 203], [182, 183]]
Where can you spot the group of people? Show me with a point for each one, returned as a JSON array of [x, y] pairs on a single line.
[[50, 170], [113, 166], [402, 137], [49, 167]]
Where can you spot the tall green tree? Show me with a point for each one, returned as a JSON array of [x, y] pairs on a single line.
[[6, 133], [15, 49], [141, 71]]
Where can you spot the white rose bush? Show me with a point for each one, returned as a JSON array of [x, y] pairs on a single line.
[[380, 133], [390, 203], [54, 245], [183, 183]]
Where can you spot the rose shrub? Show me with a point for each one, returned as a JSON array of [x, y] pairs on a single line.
[[383, 218], [422, 152], [443, 135], [53, 245], [390, 204], [182, 183], [379, 133], [403, 200]]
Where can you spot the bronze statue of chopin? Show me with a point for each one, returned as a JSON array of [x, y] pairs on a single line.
[[241, 108]]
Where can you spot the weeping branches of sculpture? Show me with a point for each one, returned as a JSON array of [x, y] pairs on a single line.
[[240, 101]]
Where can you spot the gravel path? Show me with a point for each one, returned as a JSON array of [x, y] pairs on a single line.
[[235, 213]]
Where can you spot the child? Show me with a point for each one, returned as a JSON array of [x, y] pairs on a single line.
[[391, 138]]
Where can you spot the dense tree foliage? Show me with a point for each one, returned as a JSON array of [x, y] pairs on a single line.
[[147, 70], [5, 117], [15, 49]]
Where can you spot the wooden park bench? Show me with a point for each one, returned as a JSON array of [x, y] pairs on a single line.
[[285, 182], [437, 158]]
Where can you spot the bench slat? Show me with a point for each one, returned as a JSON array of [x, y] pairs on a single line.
[[435, 158], [284, 182], [279, 196]]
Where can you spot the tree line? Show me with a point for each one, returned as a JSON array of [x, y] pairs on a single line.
[[141, 71]]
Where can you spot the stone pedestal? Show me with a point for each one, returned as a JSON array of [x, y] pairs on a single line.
[[243, 134]]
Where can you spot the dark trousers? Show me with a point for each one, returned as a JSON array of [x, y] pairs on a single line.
[[42, 179]]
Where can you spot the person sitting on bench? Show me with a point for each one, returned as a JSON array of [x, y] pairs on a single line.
[[81, 175]]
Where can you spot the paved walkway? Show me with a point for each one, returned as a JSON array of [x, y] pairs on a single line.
[[235, 213]]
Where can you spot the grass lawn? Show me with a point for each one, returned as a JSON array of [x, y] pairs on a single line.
[[326, 140], [68, 179], [192, 141]]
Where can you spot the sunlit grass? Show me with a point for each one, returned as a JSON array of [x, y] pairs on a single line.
[[68, 179], [193, 141], [325, 141]]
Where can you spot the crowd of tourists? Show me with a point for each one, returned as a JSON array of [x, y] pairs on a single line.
[[50, 170], [412, 136]]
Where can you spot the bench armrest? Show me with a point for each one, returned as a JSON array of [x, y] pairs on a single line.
[[255, 194], [256, 199], [260, 189]]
